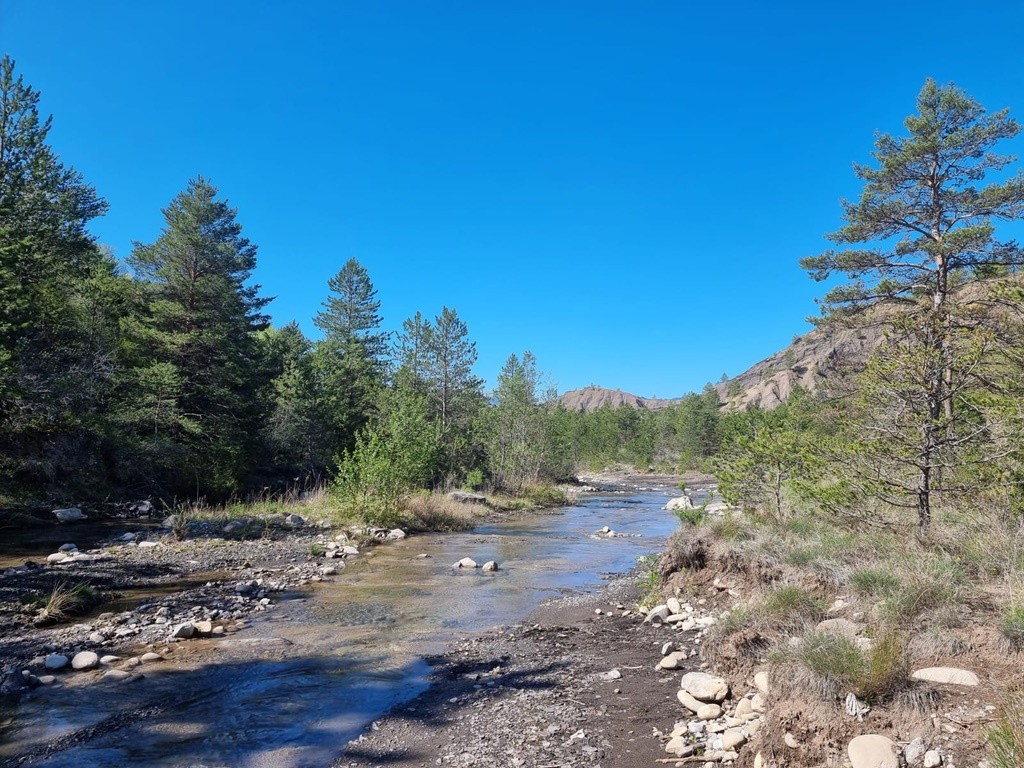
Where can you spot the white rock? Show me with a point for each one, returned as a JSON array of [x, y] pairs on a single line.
[[396, 534], [294, 521], [680, 746], [56, 661], [705, 687], [69, 515], [946, 676], [116, 674], [657, 613], [148, 658], [791, 741], [607, 677], [872, 751], [85, 660], [466, 562], [709, 712], [843, 627], [46, 679], [490, 566], [932, 759], [58, 557], [109, 659], [349, 550], [184, 631], [744, 709], [673, 660], [688, 701], [149, 544], [733, 738], [674, 605], [203, 627], [914, 751], [679, 502]]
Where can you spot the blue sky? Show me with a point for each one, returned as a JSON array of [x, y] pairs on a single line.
[[623, 188]]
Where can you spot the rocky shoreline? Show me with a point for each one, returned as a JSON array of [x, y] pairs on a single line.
[[146, 591]]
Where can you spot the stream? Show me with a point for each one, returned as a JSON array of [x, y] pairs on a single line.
[[315, 671]]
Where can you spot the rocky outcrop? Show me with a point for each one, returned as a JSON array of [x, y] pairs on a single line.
[[590, 399]]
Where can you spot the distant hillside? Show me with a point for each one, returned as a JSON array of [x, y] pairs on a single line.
[[810, 360], [591, 398]]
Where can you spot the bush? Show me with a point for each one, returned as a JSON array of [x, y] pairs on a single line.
[[832, 665], [1011, 626], [873, 581], [693, 516], [789, 605]]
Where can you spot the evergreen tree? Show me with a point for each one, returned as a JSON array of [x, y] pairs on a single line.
[[349, 362], [928, 224], [57, 292], [515, 426], [455, 393], [195, 348]]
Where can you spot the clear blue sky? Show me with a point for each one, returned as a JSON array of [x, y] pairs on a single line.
[[623, 188]]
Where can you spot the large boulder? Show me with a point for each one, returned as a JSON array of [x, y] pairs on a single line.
[[678, 503], [69, 515]]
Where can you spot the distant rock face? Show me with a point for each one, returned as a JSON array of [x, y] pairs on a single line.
[[591, 398], [808, 362]]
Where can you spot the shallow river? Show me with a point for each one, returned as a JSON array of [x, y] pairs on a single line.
[[297, 685]]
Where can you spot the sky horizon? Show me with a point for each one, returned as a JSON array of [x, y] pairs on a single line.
[[625, 191]]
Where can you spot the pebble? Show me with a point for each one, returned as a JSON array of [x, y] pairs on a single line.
[[85, 660], [709, 712], [150, 657], [932, 759], [116, 674], [184, 631], [490, 565], [56, 661]]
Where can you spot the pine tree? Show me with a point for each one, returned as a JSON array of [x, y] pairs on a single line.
[[57, 335], [196, 346], [928, 226]]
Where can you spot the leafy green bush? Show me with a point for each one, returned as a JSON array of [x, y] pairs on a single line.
[[694, 516]]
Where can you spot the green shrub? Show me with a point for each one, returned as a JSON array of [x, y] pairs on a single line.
[[695, 516], [729, 527], [1011, 625], [873, 581], [787, 604]]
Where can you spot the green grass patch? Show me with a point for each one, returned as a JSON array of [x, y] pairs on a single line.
[[1011, 626]]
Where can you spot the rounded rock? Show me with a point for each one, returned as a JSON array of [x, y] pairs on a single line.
[[85, 660], [872, 751], [56, 661]]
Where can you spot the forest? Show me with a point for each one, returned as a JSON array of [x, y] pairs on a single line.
[[162, 376]]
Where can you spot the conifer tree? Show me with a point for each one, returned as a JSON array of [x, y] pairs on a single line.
[[195, 347]]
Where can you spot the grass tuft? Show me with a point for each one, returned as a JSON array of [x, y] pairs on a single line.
[[1011, 626]]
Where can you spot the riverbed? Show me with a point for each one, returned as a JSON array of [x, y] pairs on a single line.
[[310, 675]]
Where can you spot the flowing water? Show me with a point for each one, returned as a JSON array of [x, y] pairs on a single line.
[[294, 688]]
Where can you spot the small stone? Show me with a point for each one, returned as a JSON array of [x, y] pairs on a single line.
[[466, 562], [148, 658], [56, 661], [46, 679], [791, 741], [184, 631], [733, 738], [69, 547], [680, 746], [761, 682], [673, 661], [688, 701], [872, 751], [744, 708], [116, 674], [490, 566], [204, 627], [674, 605], [58, 557], [709, 711], [85, 660], [657, 613], [843, 627], [932, 759], [914, 751], [294, 521], [396, 534], [109, 659], [609, 676]]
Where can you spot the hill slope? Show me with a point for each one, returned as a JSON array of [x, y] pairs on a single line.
[[591, 398]]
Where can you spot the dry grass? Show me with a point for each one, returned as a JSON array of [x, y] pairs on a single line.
[[436, 512], [832, 665], [1006, 738], [64, 601]]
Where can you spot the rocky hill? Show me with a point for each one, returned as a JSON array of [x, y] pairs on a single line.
[[591, 398], [808, 362]]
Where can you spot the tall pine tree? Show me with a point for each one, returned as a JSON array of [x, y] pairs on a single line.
[[196, 379]]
